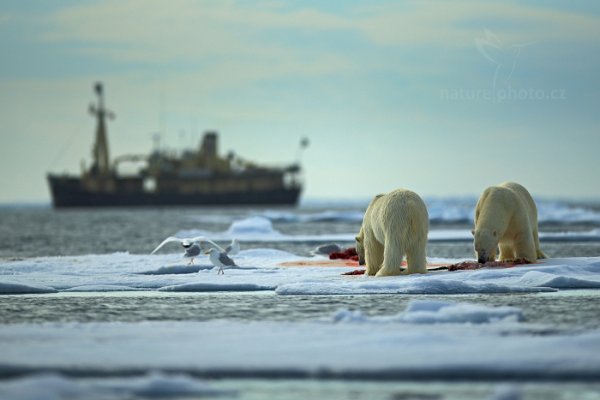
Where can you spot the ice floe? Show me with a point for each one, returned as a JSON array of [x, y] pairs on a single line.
[[53, 386], [437, 312], [285, 273], [261, 229], [100, 288], [422, 348], [22, 288], [215, 287], [441, 211]]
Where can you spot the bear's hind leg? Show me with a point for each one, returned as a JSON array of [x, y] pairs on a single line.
[[416, 260], [525, 248], [393, 253], [539, 253], [373, 256]]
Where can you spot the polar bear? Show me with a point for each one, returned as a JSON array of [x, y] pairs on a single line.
[[394, 225], [506, 217]]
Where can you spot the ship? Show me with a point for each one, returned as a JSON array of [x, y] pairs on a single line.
[[196, 177]]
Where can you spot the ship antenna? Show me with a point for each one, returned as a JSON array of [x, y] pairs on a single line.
[[101, 164], [304, 142]]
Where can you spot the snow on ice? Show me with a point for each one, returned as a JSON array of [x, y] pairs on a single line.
[[432, 312], [428, 340], [259, 228], [153, 385], [261, 269]]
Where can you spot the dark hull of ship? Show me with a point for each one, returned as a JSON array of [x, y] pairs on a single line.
[[69, 192]]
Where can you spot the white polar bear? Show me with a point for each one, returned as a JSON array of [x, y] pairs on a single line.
[[394, 225], [506, 217]]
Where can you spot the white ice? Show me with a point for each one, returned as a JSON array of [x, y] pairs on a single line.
[[261, 269], [428, 340], [441, 312], [260, 229], [52, 386], [440, 210]]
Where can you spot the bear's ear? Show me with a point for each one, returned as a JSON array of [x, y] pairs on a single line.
[[495, 233], [357, 238], [473, 232]]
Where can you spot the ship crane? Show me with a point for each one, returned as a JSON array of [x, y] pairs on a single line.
[[101, 165]]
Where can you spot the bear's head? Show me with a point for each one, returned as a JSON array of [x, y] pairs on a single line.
[[360, 247], [486, 244]]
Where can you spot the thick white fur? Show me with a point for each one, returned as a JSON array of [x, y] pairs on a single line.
[[506, 217], [394, 225]]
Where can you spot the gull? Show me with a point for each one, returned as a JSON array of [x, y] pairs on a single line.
[[220, 259], [233, 248], [196, 245]]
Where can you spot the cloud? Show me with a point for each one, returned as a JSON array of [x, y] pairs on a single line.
[[456, 24], [209, 45], [137, 30], [188, 28], [229, 42]]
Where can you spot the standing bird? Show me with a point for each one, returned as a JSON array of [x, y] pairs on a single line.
[[196, 245], [220, 259]]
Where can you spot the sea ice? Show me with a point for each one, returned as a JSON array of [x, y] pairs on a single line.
[[441, 210], [215, 287], [262, 269], [419, 349], [438, 312], [52, 386], [100, 288], [22, 288], [260, 229]]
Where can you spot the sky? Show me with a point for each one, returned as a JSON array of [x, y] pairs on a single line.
[[443, 98]]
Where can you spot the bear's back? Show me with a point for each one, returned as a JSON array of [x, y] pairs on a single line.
[[399, 206], [523, 196]]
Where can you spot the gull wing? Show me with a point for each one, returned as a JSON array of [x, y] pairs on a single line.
[[208, 244], [167, 240], [196, 239], [225, 260], [233, 248], [202, 241]]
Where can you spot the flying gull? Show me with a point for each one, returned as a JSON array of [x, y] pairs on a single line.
[[196, 245]]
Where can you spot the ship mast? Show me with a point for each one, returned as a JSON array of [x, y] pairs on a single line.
[[101, 164]]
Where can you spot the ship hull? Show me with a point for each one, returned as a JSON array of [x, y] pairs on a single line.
[[69, 192]]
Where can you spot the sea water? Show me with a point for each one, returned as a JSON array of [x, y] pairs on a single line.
[[41, 237]]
